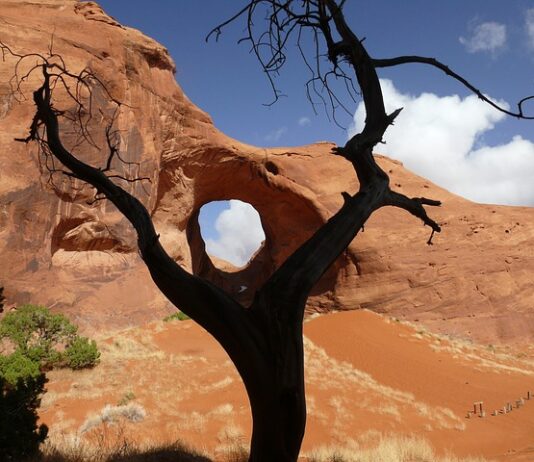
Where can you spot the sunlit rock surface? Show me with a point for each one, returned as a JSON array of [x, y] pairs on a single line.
[[59, 249]]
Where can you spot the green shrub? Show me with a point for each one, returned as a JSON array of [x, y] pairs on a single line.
[[41, 340], [47, 338], [36, 332], [16, 368], [178, 316], [81, 353]]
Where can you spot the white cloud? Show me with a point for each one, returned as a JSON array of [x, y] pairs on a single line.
[[304, 121], [275, 135], [529, 25], [488, 36], [240, 234], [440, 138]]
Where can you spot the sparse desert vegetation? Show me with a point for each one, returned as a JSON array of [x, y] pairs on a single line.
[[48, 340], [388, 448], [197, 398], [178, 316], [124, 451]]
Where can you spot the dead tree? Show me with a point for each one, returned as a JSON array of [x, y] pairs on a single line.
[[265, 339]]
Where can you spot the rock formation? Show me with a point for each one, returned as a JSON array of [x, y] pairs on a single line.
[[59, 249]]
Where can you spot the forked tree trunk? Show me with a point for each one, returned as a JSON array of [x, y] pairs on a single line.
[[265, 340], [270, 360]]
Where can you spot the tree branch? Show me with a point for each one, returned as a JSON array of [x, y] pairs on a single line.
[[389, 62], [297, 276], [208, 305], [414, 206]]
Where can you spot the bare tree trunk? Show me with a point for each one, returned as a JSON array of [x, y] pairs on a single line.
[[279, 406], [279, 424]]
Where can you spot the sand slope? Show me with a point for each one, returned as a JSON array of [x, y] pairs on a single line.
[[367, 376]]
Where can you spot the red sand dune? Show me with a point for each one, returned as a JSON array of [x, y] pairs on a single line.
[[394, 357]]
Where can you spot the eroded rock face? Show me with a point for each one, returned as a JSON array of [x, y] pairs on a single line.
[[60, 249]]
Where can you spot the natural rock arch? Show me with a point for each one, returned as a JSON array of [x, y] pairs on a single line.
[[287, 216]]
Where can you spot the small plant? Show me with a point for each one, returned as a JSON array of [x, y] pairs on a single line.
[[81, 353], [17, 368], [178, 316], [109, 414], [126, 398], [33, 327]]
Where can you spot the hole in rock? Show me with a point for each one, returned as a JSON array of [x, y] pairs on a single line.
[[231, 230], [272, 167]]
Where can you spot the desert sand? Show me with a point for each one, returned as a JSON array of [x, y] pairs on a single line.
[[368, 376], [59, 249]]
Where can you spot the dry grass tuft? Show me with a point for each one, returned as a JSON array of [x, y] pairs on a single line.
[[132, 412], [125, 452], [389, 449], [233, 444]]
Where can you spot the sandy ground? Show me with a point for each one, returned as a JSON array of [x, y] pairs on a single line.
[[367, 376]]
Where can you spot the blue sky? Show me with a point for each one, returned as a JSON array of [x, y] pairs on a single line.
[[490, 42], [225, 80]]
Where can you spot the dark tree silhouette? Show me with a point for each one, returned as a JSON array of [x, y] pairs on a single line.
[[263, 340], [20, 433]]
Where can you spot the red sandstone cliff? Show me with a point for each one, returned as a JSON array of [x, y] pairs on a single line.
[[56, 249]]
